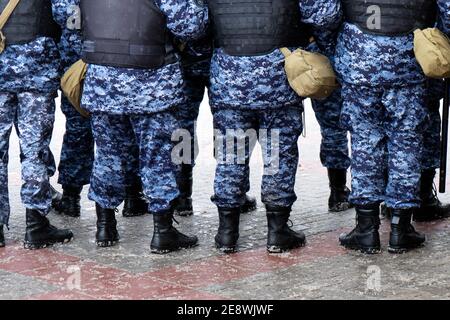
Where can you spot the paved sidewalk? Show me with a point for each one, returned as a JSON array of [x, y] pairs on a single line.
[[321, 270]]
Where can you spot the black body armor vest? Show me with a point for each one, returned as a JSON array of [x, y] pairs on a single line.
[[125, 33], [390, 17], [31, 19], [257, 27]]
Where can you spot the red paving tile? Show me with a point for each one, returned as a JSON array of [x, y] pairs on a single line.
[[16, 259], [201, 273], [175, 282]]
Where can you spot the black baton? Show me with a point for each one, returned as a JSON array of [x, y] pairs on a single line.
[[444, 139]]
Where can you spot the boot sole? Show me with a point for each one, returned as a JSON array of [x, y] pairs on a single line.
[[344, 206], [370, 250], [397, 250], [226, 249], [42, 245], [277, 249], [105, 244], [168, 250]]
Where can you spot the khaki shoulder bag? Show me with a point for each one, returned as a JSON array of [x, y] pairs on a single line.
[[5, 15], [72, 85], [432, 51], [309, 74]]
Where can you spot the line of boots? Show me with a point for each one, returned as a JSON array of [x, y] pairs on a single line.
[[69, 203], [365, 236], [166, 238], [280, 237]]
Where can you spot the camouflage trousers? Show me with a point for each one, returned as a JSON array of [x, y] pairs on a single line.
[[35, 114], [278, 131], [77, 152], [140, 142], [386, 126], [334, 153]]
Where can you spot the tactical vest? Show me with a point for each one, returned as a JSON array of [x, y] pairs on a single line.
[[256, 27], [125, 33], [390, 17], [31, 19]]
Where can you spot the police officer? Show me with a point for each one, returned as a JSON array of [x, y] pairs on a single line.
[[196, 63], [133, 87], [249, 92], [384, 93], [334, 153], [77, 152], [29, 73]]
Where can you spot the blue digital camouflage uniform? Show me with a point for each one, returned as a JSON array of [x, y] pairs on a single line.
[[334, 153], [253, 93], [29, 78], [125, 106], [77, 152], [385, 109]]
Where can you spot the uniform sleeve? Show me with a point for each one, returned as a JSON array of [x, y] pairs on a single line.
[[321, 14], [325, 17], [186, 19], [444, 15]]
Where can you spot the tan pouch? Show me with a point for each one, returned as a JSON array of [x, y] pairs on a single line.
[[72, 85], [432, 50], [310, 74], [4, 16]]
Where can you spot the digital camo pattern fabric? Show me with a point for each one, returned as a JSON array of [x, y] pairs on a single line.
[[31, 67], [280, 159], [112, 136], [387, 126], [260, 82], [120, 90], [35, 118]]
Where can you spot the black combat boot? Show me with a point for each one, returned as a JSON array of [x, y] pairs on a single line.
[[183, 204], [56, 198], [228, 232], [249, 205], [365, 237], [2, 237], [107, 234], [40, 233], [70, 202], [339, 194], [280, 236], [431, 208], [166, 238], [403, 235], [134, 204]]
